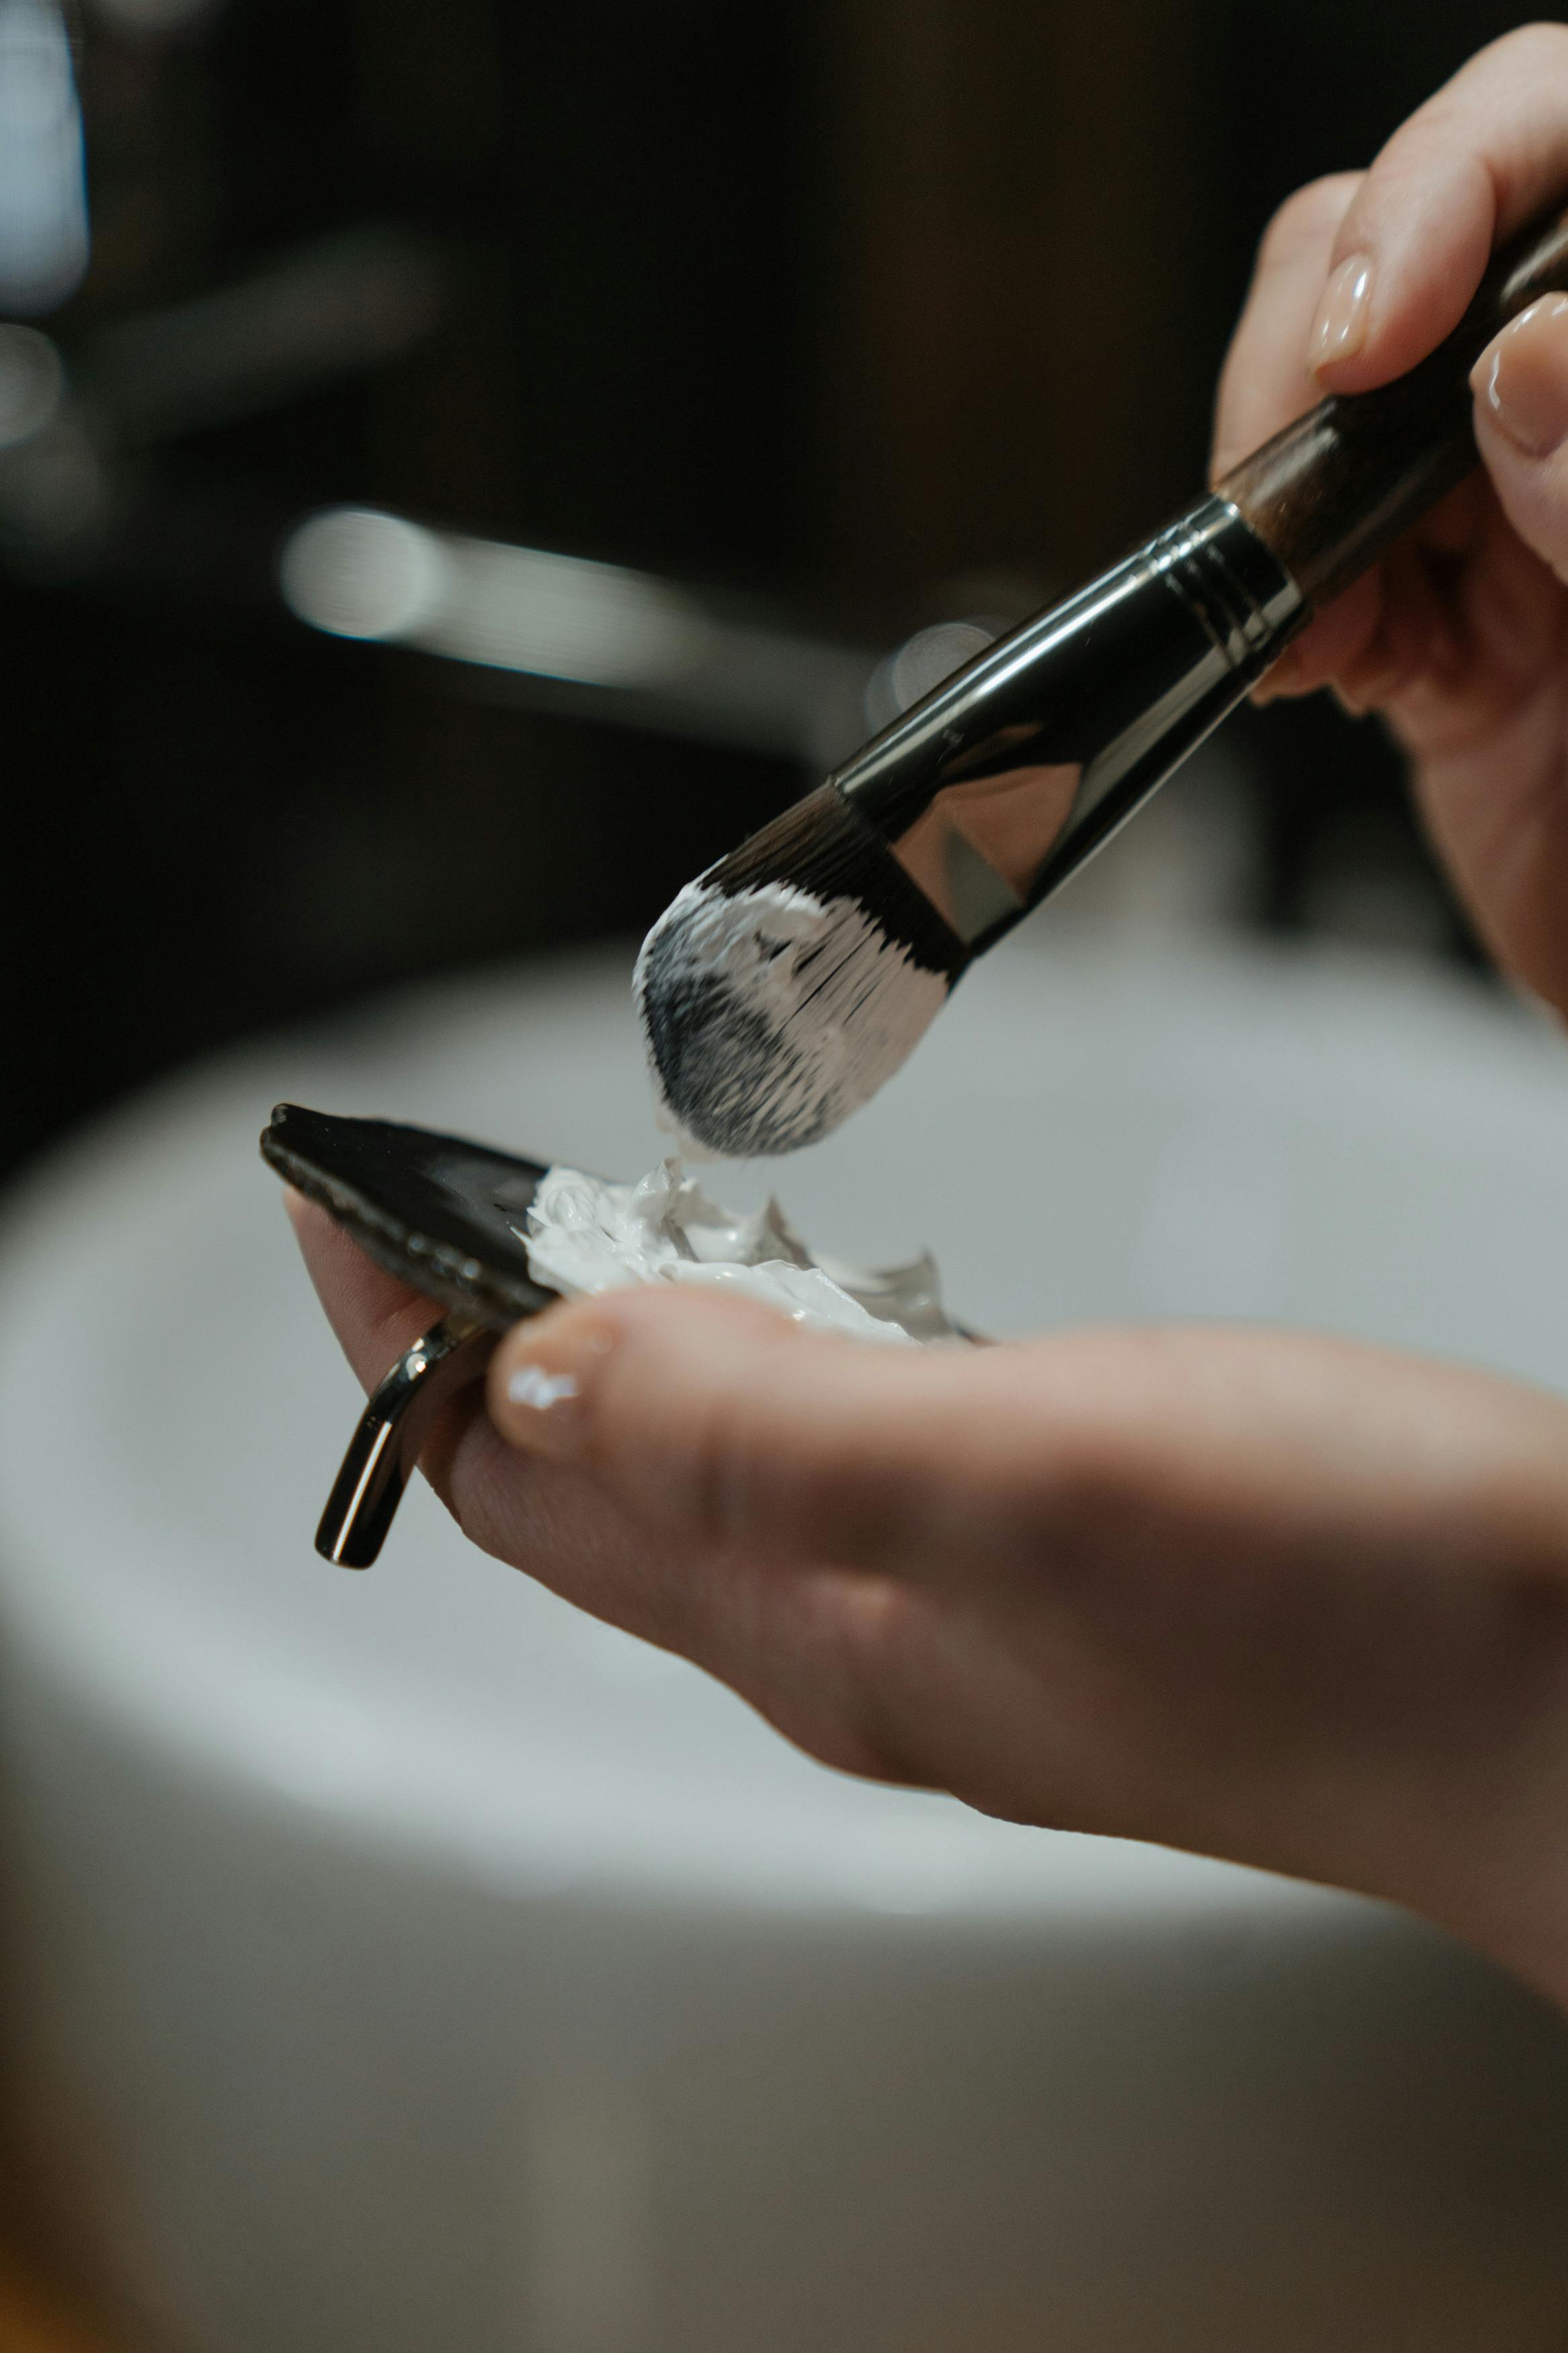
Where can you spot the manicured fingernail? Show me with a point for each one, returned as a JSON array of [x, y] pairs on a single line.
[[1339, 331], [1521, 380], [539, 1388]]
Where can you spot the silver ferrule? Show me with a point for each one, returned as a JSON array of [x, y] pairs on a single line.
[[1002, 783]]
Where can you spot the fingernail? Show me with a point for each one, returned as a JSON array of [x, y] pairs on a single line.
[[1521, 382], [539, 1389], [1339, 331]]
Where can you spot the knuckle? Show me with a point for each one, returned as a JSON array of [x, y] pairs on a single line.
[[710, 1471], [1438, 145], [1103, 1477], [1306, 218], [744, 1478], [1476, 102], [883, 1629], [674, 1425], [785, 1482], [822, 1660]]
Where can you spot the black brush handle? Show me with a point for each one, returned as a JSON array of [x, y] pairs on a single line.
[[994, 790], [1331, 491]]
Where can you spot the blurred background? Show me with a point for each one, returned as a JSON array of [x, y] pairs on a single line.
[[462, 466], [840, 321]]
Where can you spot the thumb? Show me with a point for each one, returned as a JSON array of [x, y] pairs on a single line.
[[1520, 386], [722, 1423]]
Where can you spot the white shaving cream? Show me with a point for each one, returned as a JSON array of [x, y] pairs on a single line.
[[584, 1236], [786, 1013]]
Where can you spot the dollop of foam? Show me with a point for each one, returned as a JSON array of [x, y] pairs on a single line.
[[770, 1015], [584, 1236]]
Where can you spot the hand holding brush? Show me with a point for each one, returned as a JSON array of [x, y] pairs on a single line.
[[1427, 299]]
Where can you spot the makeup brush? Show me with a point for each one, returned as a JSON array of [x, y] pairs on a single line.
[[785, 984]]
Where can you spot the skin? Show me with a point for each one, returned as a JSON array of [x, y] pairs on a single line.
[[1275, 1597]]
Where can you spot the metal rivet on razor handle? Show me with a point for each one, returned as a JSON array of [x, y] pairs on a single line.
[[385, 1447]]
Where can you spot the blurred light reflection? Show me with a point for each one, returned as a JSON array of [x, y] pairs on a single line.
[[54, 495], [694, 668], [360, 574], [344, 302], [32, 383], [43, 192], [919, 664]]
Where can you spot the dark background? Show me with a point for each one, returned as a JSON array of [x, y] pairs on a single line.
[[869, 308]]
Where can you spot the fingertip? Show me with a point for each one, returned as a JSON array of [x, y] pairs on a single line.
[[323, 1241], [1334, 640], [538, 1386], [1342, 321], [374, 1314], [1411, 251], [1265, 384], [315, 1229], [1520, 386], [1520, 381], [1469, 167], [1279, 684], [306, 1216], [548, 1378]]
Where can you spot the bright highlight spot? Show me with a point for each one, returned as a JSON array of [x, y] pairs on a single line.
[[361, 573]]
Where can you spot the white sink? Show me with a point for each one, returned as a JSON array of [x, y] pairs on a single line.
[[405, 1963]]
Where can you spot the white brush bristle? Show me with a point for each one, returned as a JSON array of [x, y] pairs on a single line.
[[771, 1015]]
